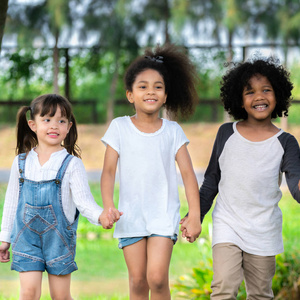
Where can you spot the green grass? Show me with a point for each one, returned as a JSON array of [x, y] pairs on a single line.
[[100, 260]]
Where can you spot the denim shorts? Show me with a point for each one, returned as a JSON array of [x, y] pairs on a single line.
[[123, 242]]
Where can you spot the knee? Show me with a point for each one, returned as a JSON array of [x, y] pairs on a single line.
[[138, 283], [225, 286], [60, 296], [30, 293], [157, 281]]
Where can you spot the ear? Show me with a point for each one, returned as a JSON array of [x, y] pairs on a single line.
[[69, 126], [165, 98], [32, 125], [129, 96]]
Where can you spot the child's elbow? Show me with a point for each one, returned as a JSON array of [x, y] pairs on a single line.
[[296, 193]]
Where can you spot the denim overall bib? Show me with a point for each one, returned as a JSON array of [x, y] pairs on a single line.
[[42, 237]]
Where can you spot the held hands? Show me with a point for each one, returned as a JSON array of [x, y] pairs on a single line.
[[109, 217], [191, 228], [4, 253]]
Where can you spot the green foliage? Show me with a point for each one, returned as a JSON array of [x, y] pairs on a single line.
[[24, 74], [287, 273], [196, 285]]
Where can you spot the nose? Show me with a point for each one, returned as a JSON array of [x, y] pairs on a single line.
[[259, 96], [54, 125]]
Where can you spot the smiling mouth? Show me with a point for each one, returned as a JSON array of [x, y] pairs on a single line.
[[150, 101], [53, 134], [261, 107]]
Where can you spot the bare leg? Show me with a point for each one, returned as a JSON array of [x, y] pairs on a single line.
[[30, 285], [136, 260], [60, 286], [159, 251]]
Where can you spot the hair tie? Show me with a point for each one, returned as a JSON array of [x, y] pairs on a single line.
[[158, 59], [29, 108]]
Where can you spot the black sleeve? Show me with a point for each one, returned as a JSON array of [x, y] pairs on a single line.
[[290, 164], [209, 188]]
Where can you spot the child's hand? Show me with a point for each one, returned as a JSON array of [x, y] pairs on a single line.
[[4, 253], [182, 228], [109, 217], [191, 228]]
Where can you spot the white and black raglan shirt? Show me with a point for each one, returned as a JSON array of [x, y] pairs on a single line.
[[246, 176]]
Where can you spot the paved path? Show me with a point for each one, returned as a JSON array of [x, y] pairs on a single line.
[[93, 176], [4, 175]]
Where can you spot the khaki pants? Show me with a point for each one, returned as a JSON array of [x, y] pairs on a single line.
[[231, 265]]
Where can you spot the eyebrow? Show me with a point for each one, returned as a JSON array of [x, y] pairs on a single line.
[[249, 87], [145, 81]]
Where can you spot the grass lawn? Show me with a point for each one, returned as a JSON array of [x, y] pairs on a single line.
[[102, 271]]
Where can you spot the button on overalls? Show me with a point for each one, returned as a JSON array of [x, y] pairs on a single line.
[[42, 237]]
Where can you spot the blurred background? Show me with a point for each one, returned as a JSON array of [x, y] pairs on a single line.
[[81, 49]]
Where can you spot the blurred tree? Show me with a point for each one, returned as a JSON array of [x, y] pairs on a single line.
[[117, 26], [3, 11], [288, 17], [41, 22], [281, 19], [214, 19], [158, 16]]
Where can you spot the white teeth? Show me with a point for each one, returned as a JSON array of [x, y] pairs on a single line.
[[260, 106]]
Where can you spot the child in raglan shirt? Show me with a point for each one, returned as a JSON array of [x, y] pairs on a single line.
[[244, 172]]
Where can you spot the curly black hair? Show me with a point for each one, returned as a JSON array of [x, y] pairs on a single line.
[[237, 78], [177, 70]]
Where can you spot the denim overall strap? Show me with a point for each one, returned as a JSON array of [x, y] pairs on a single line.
[[61, 172], [21, 163], [58, 180]]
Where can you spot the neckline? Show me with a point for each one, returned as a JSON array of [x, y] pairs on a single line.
[[252, 142], [52, 154], [147, 133]]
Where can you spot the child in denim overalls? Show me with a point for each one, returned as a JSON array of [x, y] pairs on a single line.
[[47, 189]]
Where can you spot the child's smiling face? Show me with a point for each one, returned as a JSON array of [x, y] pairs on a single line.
[[51, 130], [148, 92], [259, 98]]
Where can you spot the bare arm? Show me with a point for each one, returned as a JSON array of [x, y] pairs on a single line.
[[192, 223], [108, 178]]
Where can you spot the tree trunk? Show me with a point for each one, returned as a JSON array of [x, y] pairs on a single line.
[[230, 51], [112, 94], [166, 20], [67, 75], [227, 117], [56, 64], [3, 11]]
